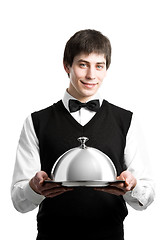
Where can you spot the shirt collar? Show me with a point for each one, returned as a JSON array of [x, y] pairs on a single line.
[[67, 97]]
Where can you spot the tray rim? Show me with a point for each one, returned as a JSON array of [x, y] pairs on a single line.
[[85, 183]]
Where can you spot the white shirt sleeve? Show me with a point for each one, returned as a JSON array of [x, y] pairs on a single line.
[[26, 166], [137, 162]]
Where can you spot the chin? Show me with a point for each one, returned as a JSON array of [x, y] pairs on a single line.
[[88, 94]]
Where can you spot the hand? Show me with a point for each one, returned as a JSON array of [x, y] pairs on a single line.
[[37, 183], [120, 188]]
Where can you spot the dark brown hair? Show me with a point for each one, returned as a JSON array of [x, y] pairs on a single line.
[[87, 41]]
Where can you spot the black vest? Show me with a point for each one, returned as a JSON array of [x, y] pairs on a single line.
[[57, 132]]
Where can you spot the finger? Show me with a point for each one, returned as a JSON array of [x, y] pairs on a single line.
[[130, 185], [47, 192], [56, 191], [118, 185], [52, 185], [46, 187], [126, 176], [111, 190]]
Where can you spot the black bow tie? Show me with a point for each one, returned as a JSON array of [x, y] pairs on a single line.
[[75, 105]]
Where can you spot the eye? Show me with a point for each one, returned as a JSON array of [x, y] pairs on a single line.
[[83, 65], [99, 67]]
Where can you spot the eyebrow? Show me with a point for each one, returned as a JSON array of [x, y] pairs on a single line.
[[81, 60]]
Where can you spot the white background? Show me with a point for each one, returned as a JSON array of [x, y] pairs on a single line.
[[32, 38]]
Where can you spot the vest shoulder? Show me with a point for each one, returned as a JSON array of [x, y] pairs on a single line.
[[120, 110], [46, 111], [40, 118], [116, 109], [122, 116]]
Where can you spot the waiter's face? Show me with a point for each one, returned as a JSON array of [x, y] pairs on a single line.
[[86, 75]]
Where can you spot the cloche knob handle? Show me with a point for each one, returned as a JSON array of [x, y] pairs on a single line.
[[83, 140]]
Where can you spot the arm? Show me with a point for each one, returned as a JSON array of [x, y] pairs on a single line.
[[28, 188], [26, 165], [137, 162]]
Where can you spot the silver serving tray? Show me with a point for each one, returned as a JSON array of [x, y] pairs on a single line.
[[95, 183]]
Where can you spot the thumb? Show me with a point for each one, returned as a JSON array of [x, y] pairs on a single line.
[[121, 177], [124, 176], [41, 176]]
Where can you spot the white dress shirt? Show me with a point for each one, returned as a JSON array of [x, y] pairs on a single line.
[[28, 163]]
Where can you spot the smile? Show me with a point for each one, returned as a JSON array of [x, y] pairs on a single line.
[[88, 84]]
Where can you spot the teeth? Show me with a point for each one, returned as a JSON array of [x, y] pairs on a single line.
[[89, 83]]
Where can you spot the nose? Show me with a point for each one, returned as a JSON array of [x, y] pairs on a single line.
[[90, 75]]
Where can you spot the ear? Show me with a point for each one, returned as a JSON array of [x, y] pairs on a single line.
[[67, 69]]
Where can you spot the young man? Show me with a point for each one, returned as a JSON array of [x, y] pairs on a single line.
[[81, 213]]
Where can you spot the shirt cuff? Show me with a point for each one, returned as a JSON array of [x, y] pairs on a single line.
[[139, 193], [32, 196]]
